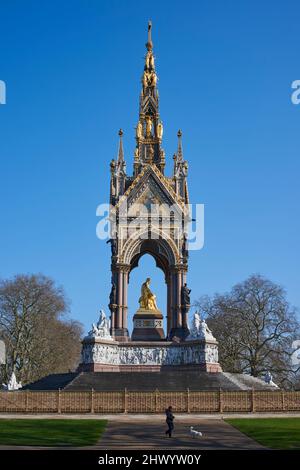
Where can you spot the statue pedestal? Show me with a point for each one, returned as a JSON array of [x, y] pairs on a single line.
[[147, 325]]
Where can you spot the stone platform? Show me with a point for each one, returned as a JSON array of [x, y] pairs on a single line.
[[166, 380]]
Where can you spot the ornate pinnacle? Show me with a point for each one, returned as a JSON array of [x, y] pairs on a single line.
[[179, 149], [121, 151]]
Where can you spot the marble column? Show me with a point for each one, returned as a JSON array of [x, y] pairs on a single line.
[[173, 288], [169, 302], [178, 306], [113, 319], [179, 324], [184, 311], [125, 306], [119, 321]]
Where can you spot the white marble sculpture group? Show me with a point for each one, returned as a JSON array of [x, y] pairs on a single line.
[[12, 384], [102, 328], [200, 347], [200, 330]]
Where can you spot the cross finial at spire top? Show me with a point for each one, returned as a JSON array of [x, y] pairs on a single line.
[[149, 44]]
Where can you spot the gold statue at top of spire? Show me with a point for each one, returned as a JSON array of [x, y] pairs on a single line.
[[149, 60]]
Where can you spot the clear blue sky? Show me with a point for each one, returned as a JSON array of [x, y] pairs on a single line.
[[72, 70]]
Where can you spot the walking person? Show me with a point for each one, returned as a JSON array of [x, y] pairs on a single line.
[[169, 420]]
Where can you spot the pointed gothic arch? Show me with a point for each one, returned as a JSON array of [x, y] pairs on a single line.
[[165, 253], [154, 241]]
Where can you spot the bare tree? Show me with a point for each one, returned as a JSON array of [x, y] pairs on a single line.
[[255, 327], [39, 338]]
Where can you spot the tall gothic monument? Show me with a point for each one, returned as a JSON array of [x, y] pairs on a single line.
[[160, 196], [149, 213]]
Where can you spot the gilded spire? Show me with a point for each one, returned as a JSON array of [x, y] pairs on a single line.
[[149, 129], [149, 78]]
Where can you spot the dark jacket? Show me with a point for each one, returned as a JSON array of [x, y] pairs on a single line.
[[169, 416]]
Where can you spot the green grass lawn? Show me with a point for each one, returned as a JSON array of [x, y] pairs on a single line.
[[274, 433], [51, 432]]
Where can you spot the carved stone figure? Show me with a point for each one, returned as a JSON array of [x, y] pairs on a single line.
[[199, 329], [147, 299], [12, 384], [147, 78], [151, 153], [152, 79], [206, 331], [114, 246], [148, 126], [151, 61], [196, 324], [112, 167], [184, 250], [101, 329], [103, 321], [269, 379], [160, 130], [113, 294], [139, 130], [211, 354], [148, 60], [185, 295]]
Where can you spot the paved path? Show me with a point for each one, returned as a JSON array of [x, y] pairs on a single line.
[[122, 417], [217, 434]]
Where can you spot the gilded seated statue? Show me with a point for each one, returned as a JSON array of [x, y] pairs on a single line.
[[147, 299]]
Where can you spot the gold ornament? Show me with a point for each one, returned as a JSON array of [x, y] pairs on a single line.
[[139, 130], [160, 130], [148, 126], [147, 299]]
